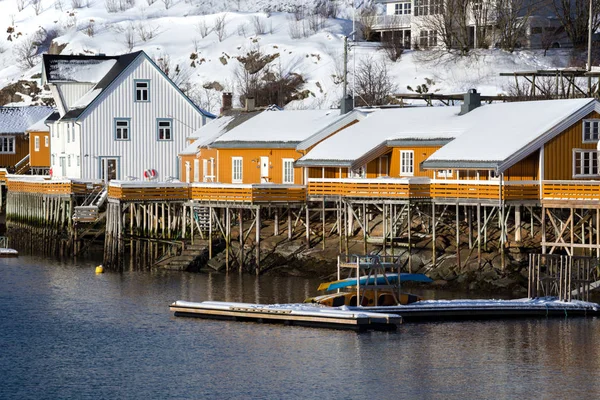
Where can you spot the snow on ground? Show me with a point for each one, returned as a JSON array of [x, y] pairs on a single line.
[[178, 31]]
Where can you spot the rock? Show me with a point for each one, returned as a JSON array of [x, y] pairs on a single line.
[[56, 48], [217, 263], [503, 282], [288, 249], [439, 282]]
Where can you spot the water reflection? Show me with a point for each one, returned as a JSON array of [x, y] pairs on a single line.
[[111, 336]]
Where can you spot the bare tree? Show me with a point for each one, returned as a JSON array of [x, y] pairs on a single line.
[[90, 29], [76, 3], [372, 81], [128, 36], [393, 45], [146, 30], [447, 21], [179, 75], [150, 2], [37, 6], [26, 52], [574, 17], [203, 29], [512, 17], [368, 20], [220, 27], [21, 5], [259, 25], [167, 3], [294, 28]]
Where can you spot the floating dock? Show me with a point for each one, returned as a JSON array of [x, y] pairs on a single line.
[[436, 310], [8, 253], [290, 314]]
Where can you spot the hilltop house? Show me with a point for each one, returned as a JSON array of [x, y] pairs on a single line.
[[14, 147], [422, 23], [121, 117]]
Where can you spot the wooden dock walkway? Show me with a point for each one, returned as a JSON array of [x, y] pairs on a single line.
[[289, 314]]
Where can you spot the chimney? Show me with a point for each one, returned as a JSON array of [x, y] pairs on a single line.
[[226, 102], [472, 101], [249, 104], [346, 105]]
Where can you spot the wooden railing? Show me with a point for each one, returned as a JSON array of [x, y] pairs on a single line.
[[485, 190], [3, 173], [45, 185], [571, 190], [259, 193], [148, 191], [383, 188]]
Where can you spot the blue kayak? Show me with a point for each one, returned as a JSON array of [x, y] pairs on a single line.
[[373, 280]]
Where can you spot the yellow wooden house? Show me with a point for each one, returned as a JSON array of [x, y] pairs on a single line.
[[39, 145], [246, 157]]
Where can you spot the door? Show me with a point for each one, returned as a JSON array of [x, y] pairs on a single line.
[[383, 166], [188, 171], [196, 170], [109, 166], [264, 169], [63, 166]]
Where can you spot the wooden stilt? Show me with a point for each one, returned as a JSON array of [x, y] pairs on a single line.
[[257, 240], [433, 252]]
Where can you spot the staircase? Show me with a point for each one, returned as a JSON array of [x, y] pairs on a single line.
[[89, 211], [23, 166], [191, 257], [202, 218]]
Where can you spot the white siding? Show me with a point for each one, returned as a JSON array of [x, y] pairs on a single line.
[[142, 151], [60, 146], [71, 92]]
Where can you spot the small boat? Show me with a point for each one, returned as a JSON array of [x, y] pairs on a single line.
[[379, 279], [6, 252], [384, 298]]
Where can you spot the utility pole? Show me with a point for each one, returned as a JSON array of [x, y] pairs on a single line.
[[589, 58], [346, 67]]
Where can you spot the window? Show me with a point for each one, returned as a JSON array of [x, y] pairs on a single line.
[[493, 175], [477, 5], [36, 143], [164, 127], [73, 133], [428, 7], [427, 39], [236, 170], [53, 159], [407, 163], [69, 160], [78, 161], [536, 30], [46, 141], [590, 130], [7, 145], [444, 173], [288, 170], [122, 128], [68, 133], [585, 162], [402, 8], [142, 91]]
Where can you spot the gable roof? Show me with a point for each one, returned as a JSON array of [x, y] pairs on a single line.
[[41, 125], [382, 128], [278, 129], [208, 133], [15, 120], [501, 134], [103, 71]]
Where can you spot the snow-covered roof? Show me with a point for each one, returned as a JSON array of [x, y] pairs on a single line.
[[207, 134], [495, 133], [90, 69], [18, 119], [377, 128], [40, 125], [288, 127]]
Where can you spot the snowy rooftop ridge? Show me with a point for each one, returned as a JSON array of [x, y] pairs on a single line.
[[288, 126], [88, 69], [14, 120]]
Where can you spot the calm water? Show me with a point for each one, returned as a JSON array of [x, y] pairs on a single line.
[[67, 333]]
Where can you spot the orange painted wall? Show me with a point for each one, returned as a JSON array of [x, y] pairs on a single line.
[[21, 150], [420, 155], [558, 152], [251, 171], [203, 154], [40, 158]]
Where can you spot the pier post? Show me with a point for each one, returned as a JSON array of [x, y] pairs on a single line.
[[517, 223], [257, 240], [241, 239], [433, 254]]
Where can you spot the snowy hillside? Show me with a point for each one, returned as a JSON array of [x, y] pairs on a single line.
[[200, 40]]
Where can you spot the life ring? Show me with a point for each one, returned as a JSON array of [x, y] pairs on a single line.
[[150, 174], [50, 172]]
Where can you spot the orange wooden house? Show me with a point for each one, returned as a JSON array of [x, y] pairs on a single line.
[[39, 145], [237, 158], [14, 146]]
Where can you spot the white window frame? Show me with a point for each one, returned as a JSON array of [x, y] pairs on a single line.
[[444, 173], [69, 160], [594, 125], [7, 145], [493, 176], [288, 171], [585, 171], [68, 133], [122, 133], [78, 161], [36, 143], [407, 168], [46, 141], [237, 171]]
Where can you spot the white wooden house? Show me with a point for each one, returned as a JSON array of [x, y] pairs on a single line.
[[119, 117]]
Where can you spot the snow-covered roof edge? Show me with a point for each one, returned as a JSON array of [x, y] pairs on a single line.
[[525, 151], [324, 133]]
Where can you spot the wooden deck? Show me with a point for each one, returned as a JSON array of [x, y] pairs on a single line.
[[253, 194], [36, 184], [290, 314], [573, 191], [485, 190], [148, 191], [403, 188]]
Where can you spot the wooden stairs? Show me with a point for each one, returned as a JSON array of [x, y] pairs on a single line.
[[191, 258]]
